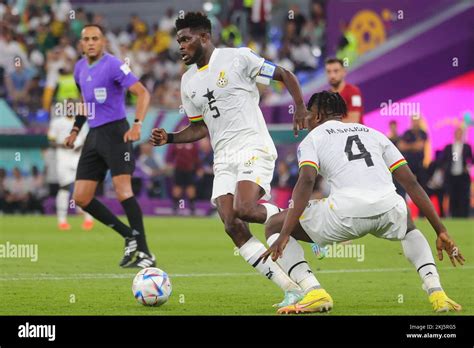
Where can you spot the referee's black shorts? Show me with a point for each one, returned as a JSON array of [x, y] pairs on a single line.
[[104, 149]]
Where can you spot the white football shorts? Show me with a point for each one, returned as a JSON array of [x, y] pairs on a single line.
[[324, 226], [254, 165]]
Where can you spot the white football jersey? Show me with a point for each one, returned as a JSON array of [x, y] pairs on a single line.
[[224, 95], [59, 130], [357, 162]]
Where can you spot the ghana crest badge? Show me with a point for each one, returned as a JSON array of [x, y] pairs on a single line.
[[222, 81]]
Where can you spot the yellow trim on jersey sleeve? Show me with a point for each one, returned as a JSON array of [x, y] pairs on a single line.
[[397, 164], [195, 118], [309, 163]]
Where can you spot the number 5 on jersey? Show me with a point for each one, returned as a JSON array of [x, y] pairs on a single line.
[[214, 108]]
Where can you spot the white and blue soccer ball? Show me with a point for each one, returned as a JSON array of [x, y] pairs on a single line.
[[151, 287]]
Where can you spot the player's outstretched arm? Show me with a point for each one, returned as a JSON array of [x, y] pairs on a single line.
[[408, 180], [194, 132], [291, 83], [301, 195]]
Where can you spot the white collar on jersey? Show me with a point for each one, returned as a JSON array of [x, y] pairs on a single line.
[[213, 57]]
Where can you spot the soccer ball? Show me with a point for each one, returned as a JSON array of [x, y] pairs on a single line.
[[151, 287]]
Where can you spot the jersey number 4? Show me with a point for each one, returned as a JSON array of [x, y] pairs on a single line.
[[364, 154]]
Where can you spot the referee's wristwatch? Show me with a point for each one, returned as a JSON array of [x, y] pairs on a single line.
[[137, 122]]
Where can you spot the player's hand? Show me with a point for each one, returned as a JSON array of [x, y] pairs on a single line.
[[300, 118], [158, 137], [444, 242], [69, 141], [133, 134], [276, 250]]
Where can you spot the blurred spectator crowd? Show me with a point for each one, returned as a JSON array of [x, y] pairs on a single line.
[[184, 174], [39, 45], [39, 41], [446, 178]]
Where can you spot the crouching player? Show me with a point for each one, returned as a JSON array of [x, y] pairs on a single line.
[[358, 163]]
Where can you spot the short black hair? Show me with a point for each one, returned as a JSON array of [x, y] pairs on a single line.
[[194, 20], [332, 60], [101, 28], [328, 103]]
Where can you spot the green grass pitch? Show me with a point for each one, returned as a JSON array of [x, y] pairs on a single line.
[[77, 272]]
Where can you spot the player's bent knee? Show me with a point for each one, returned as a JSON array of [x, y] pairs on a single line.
[[245, 211], [81, 200], [123, 195]]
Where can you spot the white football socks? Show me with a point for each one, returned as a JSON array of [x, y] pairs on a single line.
[[271, 210], [62, 203], [295, 265], [418, 252], [251, 252]]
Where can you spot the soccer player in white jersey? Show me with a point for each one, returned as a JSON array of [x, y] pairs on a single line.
[[220, 96], [358, 163], [66, 166]]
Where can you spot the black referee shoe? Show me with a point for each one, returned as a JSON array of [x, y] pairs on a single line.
[[143, 260], [130, 251]]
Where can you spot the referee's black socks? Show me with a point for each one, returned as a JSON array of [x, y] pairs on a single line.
[[104, 215], [135, 219]]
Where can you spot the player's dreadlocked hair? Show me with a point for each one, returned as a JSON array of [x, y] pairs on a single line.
[[194, 20], [328, 104]]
